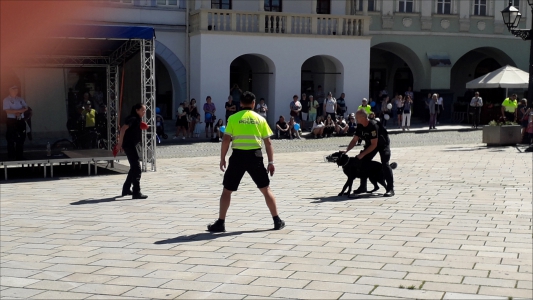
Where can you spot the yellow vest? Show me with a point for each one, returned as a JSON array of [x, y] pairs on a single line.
[[247, 130], [510, 105], [367, 108]]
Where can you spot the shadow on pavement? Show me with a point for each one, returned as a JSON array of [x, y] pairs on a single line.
[[206, 236], [345, 198], [95, 201]]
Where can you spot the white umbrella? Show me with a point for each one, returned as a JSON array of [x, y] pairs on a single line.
[[505, 77]]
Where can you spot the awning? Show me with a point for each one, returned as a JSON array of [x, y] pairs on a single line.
[[115, 32], [505, 77]]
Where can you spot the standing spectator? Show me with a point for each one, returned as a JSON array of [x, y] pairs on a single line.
[[341, 106], [475, 105], [432, 111], [364, 105], [426, 105], [509, 108], [195, 118], [384, 111], [394, 115], [440, 108], [330, 106], [341, 128], [409, 93], [399, 109], [282, 128], [181, 122], [231, 108], [187, 110], [313, 108], [318, 127], [524, 112], [407, 109], [305, 111], [292, 131], [236, 94], [262, 108], [352, 125], [329, 126], [320, 97], [15, 107], [384, 92], [209, 110], [295, 107], [90, 116]]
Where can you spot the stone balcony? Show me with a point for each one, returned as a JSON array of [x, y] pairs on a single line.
[[275, 23]]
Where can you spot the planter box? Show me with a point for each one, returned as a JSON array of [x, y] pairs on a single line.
[[502, 135]]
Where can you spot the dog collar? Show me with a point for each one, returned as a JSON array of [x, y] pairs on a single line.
[[347, 161]]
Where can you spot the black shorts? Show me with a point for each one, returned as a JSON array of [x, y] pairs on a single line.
[[242, 161]]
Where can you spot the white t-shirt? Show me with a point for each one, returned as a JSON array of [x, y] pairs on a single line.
[[261, 109], [14, 103], [330, 105], [315, 125], [439, 102]]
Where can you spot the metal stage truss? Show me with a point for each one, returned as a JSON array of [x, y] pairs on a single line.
[[123, 42]]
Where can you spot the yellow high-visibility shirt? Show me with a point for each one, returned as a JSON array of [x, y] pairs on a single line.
[[247, 130], [510, 105], [367, 108]]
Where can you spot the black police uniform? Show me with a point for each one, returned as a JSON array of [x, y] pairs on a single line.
[[374, 130], [131, 146]]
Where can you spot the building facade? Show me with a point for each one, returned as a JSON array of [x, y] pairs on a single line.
[[279, 48]]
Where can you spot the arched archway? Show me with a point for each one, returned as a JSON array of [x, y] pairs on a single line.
[[323, 70], [254, 73], [395, 67], [473, 64], [175, 72]]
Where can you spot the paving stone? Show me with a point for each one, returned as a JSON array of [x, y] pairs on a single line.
[[210, 295], [506, 292], [102, 289], [61, 295], [450, 287], [230, 288], [413, 294], [490, 282], [154, 293], [461, 296], [280, 282], [88, 278], [138, 281], [340, 287], [16, 281], [20, 293], [190, 285], [306, 294]]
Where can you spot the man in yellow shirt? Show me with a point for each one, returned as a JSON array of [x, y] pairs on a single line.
[[90, 116], [365, 106], [246, 131], [510, 108]]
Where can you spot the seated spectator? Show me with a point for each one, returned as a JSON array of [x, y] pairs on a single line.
[[219, 134], [352, 125], [341, 128], [293, 132], [329, 125], [282, 128], [318, 127]]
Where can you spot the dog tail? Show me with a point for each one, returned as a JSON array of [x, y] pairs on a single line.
[[394, 165]]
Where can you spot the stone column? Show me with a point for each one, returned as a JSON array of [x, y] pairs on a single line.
[[261, 5]]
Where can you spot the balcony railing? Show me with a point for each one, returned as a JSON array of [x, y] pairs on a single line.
[[221, 20]]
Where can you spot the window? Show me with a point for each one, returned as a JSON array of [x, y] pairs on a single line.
[[175, 3], [371, 5], [516, 3], [406, 6], [221, 4], [444, 7], [480, 7], [273, 5], [323, 7]]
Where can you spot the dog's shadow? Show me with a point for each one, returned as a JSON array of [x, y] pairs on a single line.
[[345, 198]]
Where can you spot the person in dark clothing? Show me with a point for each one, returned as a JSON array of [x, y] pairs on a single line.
[[376, 141], [129, 141]]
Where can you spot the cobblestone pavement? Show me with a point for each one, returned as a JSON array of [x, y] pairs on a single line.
[[459, 227]]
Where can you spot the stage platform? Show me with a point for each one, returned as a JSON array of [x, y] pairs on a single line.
[[40, 158]]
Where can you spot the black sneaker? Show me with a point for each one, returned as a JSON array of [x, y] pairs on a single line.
[[218, 226], [389, 193], [279, 225], [139, 196]]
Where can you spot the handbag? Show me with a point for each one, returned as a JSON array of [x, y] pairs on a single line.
[[293, 113]]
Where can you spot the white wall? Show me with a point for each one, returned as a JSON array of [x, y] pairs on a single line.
[[210, 70], [44, 92], [246, 5]]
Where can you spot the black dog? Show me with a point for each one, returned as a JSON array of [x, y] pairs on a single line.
[[351, 167]]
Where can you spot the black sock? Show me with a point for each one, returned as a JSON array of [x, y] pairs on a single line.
[[276, 218], [220, 221]]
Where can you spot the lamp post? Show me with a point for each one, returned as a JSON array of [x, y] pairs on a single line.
[[511, 17]]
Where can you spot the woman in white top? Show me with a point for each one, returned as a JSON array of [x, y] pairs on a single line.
[[318, 127], [399, 107], [261, 108], [475, 107], [440, 107], [330, 105], [407, 108]]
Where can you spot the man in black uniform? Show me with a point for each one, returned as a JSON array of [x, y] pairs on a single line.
[[376, 140]]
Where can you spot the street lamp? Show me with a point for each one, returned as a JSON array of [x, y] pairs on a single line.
[[511, 17]]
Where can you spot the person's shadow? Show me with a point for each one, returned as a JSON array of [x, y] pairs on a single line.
[[345, 198], [96, 201], [205, 236]]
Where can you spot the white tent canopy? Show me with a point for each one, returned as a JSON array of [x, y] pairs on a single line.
[[505, 77]]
